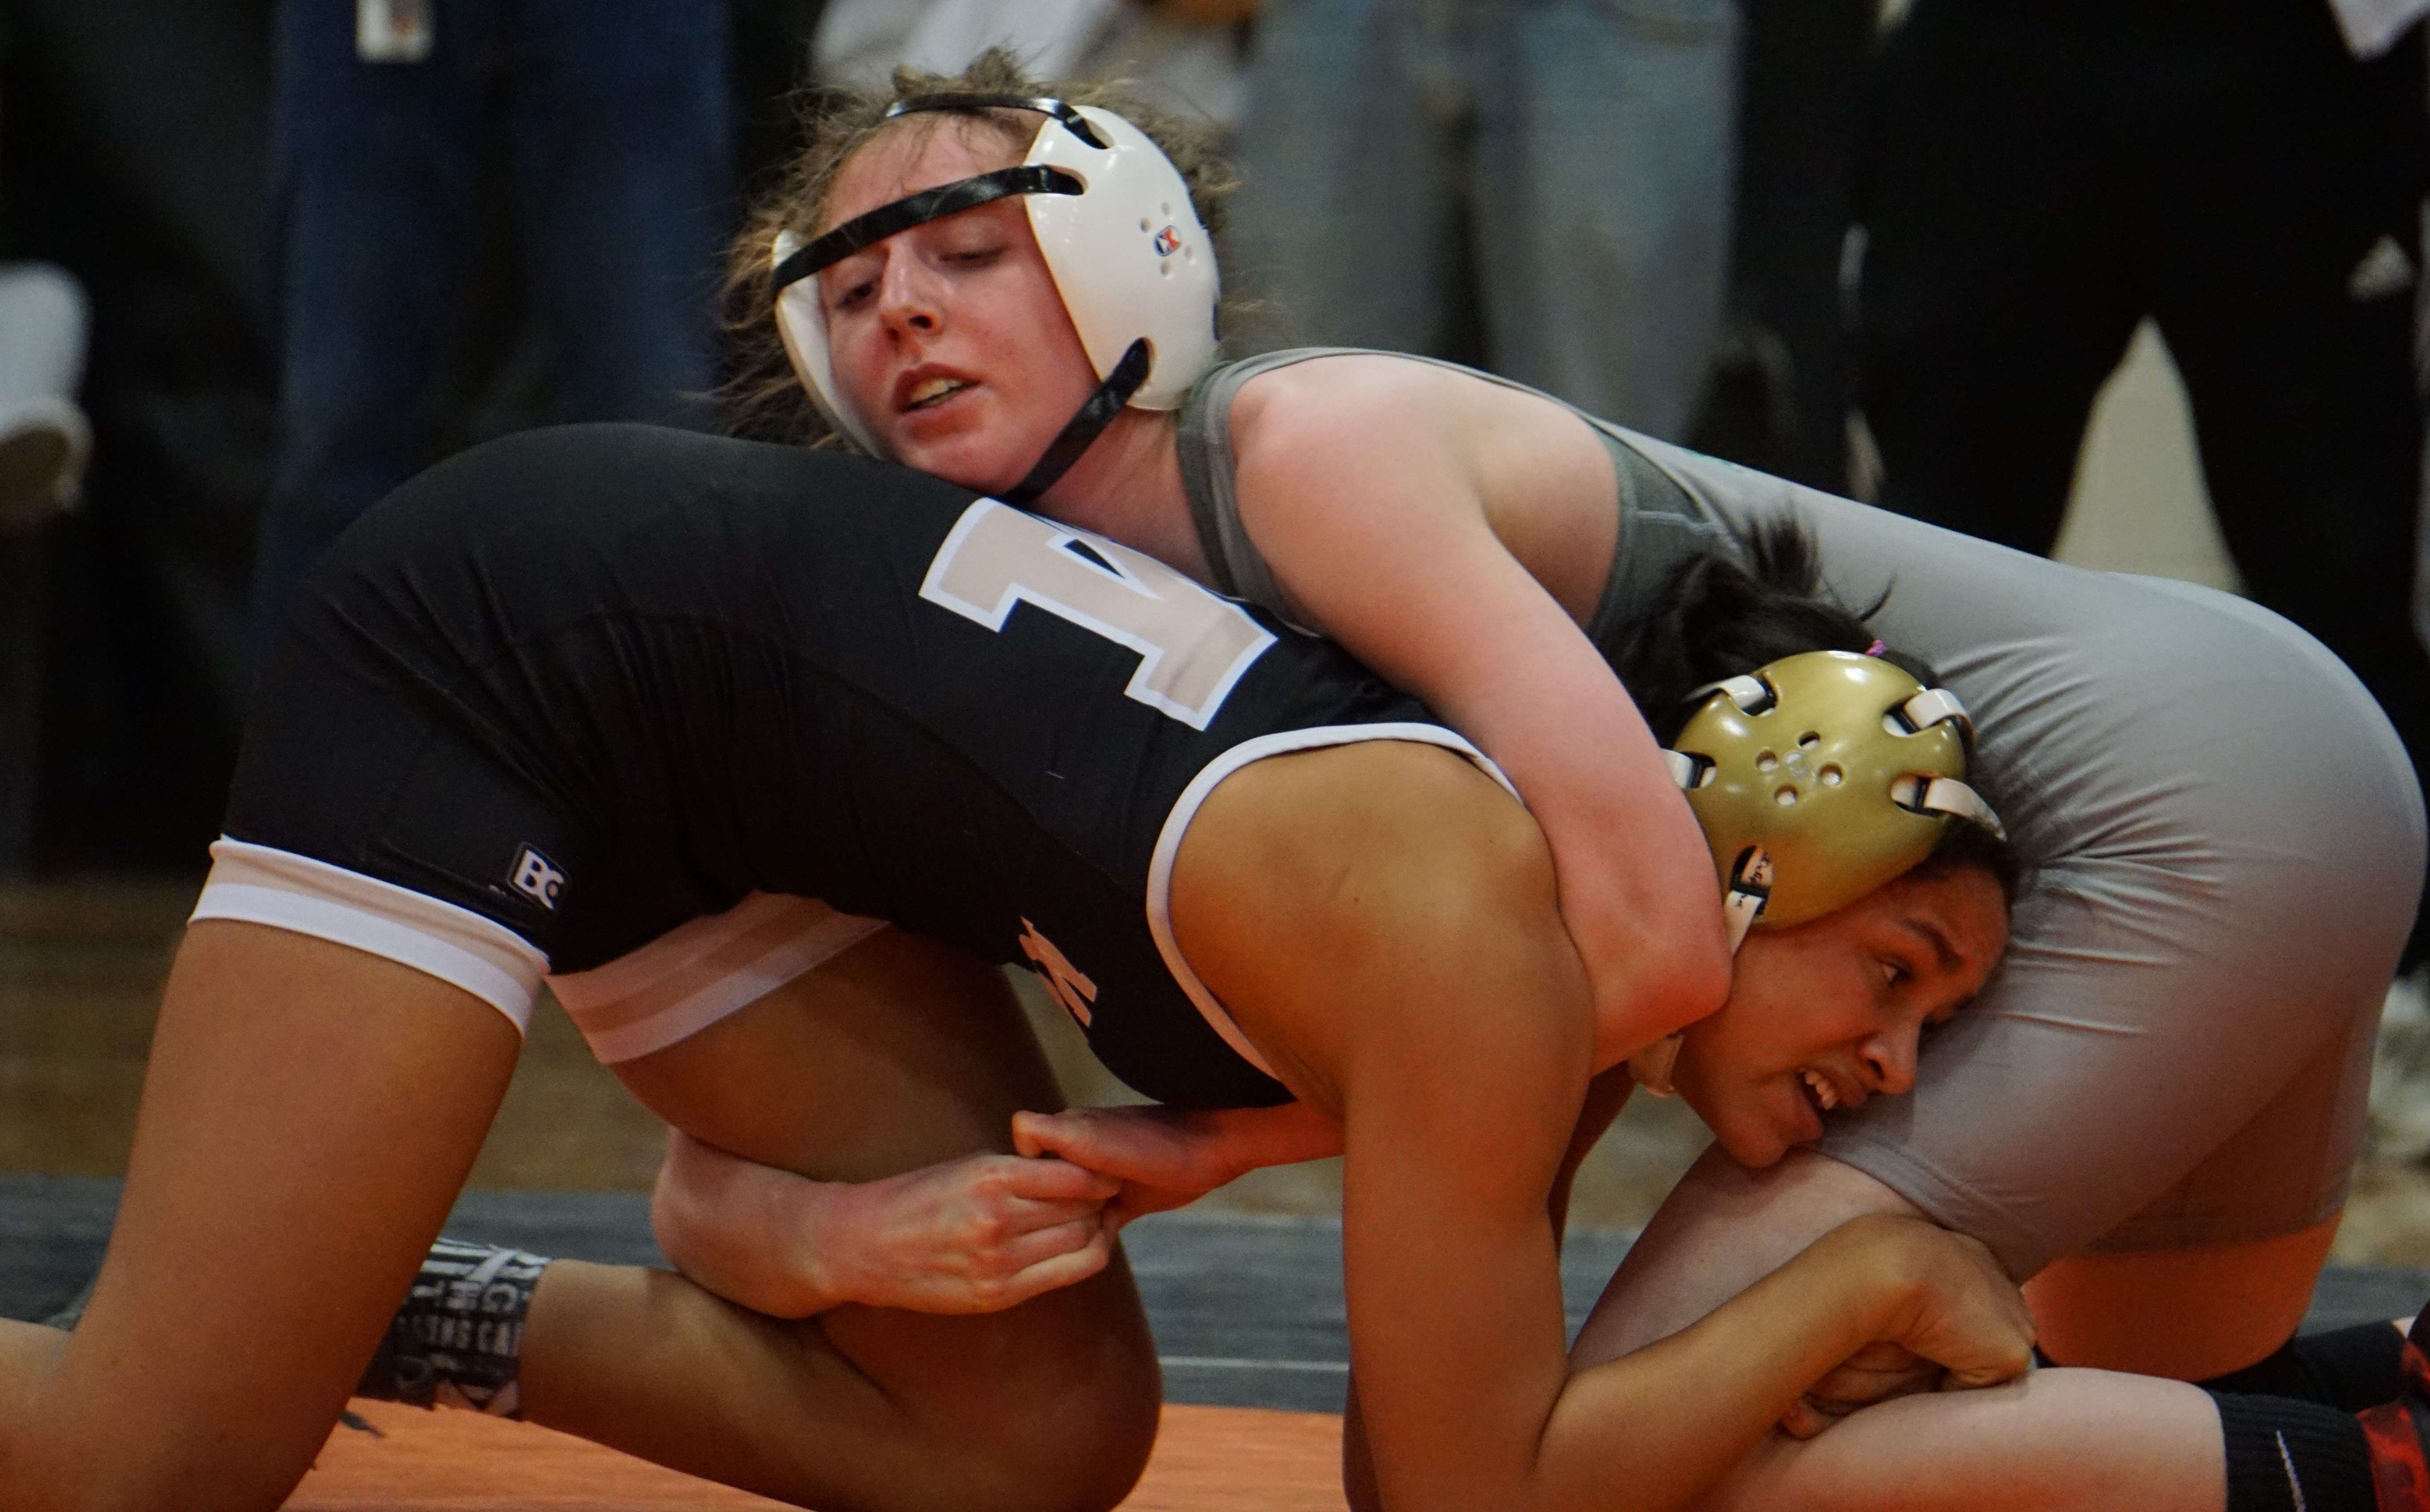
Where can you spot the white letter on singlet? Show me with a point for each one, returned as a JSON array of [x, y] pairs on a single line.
[[1193, 646]]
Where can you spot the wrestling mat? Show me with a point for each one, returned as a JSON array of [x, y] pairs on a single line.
[[1207, 1459], [1247, 1312]]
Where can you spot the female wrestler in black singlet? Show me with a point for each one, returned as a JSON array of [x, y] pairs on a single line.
[[569, 702]]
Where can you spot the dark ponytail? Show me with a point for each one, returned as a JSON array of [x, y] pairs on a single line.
[[1716, 618]]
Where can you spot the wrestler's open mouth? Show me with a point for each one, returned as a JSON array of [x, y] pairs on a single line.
[[1818, 1090], [934, 391]]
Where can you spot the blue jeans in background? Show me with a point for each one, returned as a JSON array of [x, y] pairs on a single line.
[[614, 119], [1555, 175]]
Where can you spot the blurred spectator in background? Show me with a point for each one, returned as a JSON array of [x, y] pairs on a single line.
[[1777, 397], [617, 119], [43, 442], [1185, 55], [2041, 175], [43, 437], [1540, 187]]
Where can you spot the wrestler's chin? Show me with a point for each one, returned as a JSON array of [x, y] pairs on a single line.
[[1752, 1136], [973, 445]]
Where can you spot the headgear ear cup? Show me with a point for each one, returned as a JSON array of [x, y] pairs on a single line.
[[1840, 771], [1128, 255], [801, 326]]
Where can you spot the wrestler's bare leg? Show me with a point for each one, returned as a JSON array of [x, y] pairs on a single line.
[[2190, 1314], [2132, 1444], [897, 1054], [308, 1114], [309, 1117]]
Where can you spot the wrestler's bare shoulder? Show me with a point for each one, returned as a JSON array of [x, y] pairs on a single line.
[[1324, 893], [1380, 388], [1329, 425]]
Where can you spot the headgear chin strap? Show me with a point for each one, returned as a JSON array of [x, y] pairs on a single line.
[[1135, 267]]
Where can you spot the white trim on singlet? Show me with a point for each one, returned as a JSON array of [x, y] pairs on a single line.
[[699, 972], [262, 885], [1176, 824]]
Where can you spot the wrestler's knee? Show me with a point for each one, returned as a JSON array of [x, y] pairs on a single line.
[[1074, 1435], [1051, 1406]]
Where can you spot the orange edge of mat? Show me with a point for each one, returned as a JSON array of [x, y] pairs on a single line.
[[1206, 1459]]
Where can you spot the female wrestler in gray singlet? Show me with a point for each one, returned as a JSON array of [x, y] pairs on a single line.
[[2152, 1110]]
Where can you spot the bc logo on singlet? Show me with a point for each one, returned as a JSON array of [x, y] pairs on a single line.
[[1193, 646], [538, 877], [1070, 985]]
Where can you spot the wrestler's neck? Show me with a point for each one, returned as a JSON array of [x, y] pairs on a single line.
[[1127, 487]]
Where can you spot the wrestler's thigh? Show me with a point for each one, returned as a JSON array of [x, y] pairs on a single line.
[[899, 1053], [896, 1053]]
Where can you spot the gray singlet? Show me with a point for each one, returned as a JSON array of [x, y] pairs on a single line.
[[1661, 524], [2226, 842]]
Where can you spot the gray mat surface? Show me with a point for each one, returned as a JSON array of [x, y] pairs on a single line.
[[1247, 1311]]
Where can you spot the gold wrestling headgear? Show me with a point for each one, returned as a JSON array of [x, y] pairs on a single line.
[[1816, 778], [1821, 777]]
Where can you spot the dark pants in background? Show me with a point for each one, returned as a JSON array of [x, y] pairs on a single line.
[[615, 119], [2041, 175]]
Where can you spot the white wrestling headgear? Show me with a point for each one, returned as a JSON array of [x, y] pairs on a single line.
[[1114, 221]]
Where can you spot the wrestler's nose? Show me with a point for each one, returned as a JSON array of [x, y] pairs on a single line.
[[907, 297], [1888, 1059]]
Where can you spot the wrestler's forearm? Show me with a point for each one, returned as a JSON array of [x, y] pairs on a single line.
[[1168, 1156], [736, 1228], [1722, 1229], [1691, 1406], [29, 1357], [2057, 1440], [978, 1233], [1251, 1138]]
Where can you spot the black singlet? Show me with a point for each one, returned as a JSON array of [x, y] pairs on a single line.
[[596, 682]]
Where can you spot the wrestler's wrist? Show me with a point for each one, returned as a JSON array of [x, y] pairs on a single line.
[[1249, 1139], [823, 1235], [1880, 1268], [747, 1234]]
